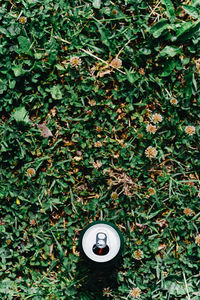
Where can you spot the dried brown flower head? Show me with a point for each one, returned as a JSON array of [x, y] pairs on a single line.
[[97, 164], [173, 101], [92, 102], [22, 20], [99, 129], [75, 61], [135, 293], [116, 63], [151, 191], [151, 152], [197, 239], [187, 211], [157, 118], [141, 71], [98, 144], [190, 130], [138, 254], [151, 128], [114, 196], [30, 172]]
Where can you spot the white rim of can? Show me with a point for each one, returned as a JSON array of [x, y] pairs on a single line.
[[89, 240]]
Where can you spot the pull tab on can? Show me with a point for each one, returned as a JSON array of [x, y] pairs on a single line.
[[101, 247], [101, 240]]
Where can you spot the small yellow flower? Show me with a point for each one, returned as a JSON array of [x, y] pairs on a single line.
[[116, 63], [151, 191], [98, 144], [75, 61], [30, 172], [156, 118], [18, 201], [114, 196], [197, 239], [135, 293], [173, 101], [151, 152], [138, 254], [187, 211], [190, 130], [151, 128], [22, 20]]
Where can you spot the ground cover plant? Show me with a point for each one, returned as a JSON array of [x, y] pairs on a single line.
[[99, 119]]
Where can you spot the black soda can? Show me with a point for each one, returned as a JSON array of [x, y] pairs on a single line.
[[101, 244]]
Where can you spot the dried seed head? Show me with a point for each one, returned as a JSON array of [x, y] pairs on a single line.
[[135, 293], [114, 196], [151, 152], [116, 63], [75, 61], [187, 211], [98, 144], [22, 20], [151, 128], [173, 101], [151, 191], [156, 118], [190, 130], [197, 239], [30, 172], [141, 71], [97, 164], [138, 254], [92, 102]]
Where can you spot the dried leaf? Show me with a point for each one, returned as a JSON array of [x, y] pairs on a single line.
[[46, 132], [101, 74]]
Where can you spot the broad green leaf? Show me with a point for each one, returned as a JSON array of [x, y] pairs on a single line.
[[131, 76], [21, 115], [159, 27], [18, 70], [170, 9], [195, 3], [56, 92], [175, 288], [187, 30], [145, 51], [96, 4], [171, 51], [168, 68], [191, 10], [104, 35], [3, 86], [24, 43]]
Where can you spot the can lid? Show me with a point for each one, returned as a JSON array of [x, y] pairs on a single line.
[[89, 240]]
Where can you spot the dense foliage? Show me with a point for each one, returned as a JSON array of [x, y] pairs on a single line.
[[99, 119]]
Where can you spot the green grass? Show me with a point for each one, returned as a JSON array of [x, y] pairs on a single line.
[[87, 160]]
